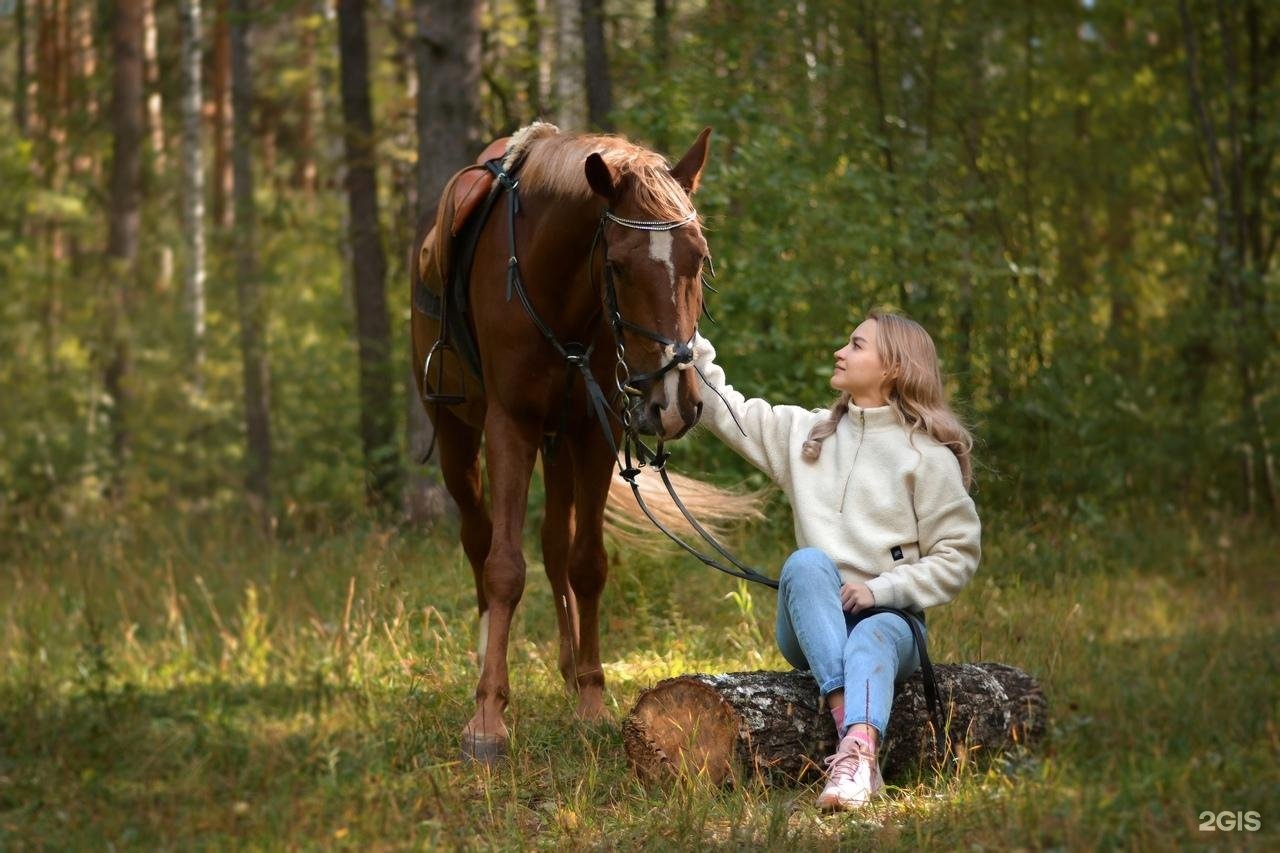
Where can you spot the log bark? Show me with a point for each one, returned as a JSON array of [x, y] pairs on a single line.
[[730, 727]]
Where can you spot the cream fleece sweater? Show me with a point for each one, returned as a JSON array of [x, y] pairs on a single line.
[[891, 511]]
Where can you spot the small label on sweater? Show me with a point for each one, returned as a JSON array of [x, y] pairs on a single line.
[[896, 552]]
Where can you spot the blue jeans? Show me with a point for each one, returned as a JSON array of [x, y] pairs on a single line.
[[863, 655]]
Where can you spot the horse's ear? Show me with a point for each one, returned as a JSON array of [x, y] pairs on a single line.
[[689, 170], [600, 177]]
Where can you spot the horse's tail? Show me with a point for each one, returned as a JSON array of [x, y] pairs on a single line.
[[715, 508]]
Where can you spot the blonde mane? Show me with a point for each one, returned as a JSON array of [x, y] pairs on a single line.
[[553, 163]]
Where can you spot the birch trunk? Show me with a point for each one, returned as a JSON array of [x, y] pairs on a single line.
[[193, 181], [770, 724], [155, 107]]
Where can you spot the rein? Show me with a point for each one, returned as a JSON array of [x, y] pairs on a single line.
[[634, 451]]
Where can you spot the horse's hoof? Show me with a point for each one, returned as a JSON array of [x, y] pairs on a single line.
[[483, 749]]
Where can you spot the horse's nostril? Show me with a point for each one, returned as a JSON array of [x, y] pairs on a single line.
[[655, 414], [697, 412]]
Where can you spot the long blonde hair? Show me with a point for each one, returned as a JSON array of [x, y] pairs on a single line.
[[916, 392]]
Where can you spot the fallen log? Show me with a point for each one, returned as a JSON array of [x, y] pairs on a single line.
[[769, 723]]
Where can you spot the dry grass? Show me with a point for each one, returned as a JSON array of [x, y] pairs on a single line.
[[173, 683]]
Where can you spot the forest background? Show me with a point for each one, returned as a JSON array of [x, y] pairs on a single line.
[[203, 324]]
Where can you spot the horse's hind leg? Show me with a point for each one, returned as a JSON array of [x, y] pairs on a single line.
[[510, 453], [460, 464], [557, 534]]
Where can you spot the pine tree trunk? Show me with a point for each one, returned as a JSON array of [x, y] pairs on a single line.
[[596, 67], [124, 219], [257, 384], [373, 335], [769, 723], [193, 180]]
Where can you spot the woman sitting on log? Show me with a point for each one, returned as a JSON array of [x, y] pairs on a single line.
[[878, 485]]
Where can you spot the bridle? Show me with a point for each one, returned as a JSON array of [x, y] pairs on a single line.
[[681, 352], [634, 455]]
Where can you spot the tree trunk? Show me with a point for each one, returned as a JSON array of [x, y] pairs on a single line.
[[124, 219], [769, 723], [661, 57], [373, 336], [151, 68], [220, 87], [193, 180], [571, 104], [449, 137], [20, 68], [596, 67], [257, 379], [304, 169], [448, 61]]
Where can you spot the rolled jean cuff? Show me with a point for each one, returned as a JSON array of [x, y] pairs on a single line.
[[830, 686]]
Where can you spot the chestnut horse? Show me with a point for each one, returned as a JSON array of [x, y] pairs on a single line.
[[609, 253]]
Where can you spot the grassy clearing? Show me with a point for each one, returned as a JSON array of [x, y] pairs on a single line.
[[166, 682]]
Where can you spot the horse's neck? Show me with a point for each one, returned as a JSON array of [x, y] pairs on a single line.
[[560, 252]]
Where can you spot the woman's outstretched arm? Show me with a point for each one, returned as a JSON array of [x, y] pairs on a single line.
[[757, 430]]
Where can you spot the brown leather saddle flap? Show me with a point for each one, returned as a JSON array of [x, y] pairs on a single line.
[[473, 185]]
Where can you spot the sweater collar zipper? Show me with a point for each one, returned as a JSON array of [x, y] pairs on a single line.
[[862, 434]]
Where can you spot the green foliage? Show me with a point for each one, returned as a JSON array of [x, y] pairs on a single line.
[[1026, 181]]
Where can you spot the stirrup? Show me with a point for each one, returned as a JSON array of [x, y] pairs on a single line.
[[440, 399]]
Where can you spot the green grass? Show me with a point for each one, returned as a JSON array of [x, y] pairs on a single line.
[[185, 682]]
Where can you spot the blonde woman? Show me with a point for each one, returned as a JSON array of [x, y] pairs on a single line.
[[878, 486]]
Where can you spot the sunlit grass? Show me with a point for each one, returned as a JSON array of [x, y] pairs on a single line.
[[173, 683]]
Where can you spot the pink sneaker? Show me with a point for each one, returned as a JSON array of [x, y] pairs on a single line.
[[853, 776]]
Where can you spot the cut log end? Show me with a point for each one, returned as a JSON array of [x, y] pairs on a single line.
[[681, 728]]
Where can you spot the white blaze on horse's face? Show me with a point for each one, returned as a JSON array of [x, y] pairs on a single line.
[[660, 250]]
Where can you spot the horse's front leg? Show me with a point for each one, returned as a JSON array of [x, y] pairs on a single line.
[[510, 450], [589, 566], [557, 535]]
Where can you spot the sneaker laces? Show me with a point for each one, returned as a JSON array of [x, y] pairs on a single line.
[[842, 766]]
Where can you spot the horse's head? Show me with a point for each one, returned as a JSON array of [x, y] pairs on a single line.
[[654, 257]]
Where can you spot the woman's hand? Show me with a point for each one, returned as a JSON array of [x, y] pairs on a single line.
[[856, 597]]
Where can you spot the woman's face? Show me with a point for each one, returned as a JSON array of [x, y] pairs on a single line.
[[858, 369]]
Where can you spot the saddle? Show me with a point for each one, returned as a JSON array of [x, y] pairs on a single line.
[[474, 192]]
